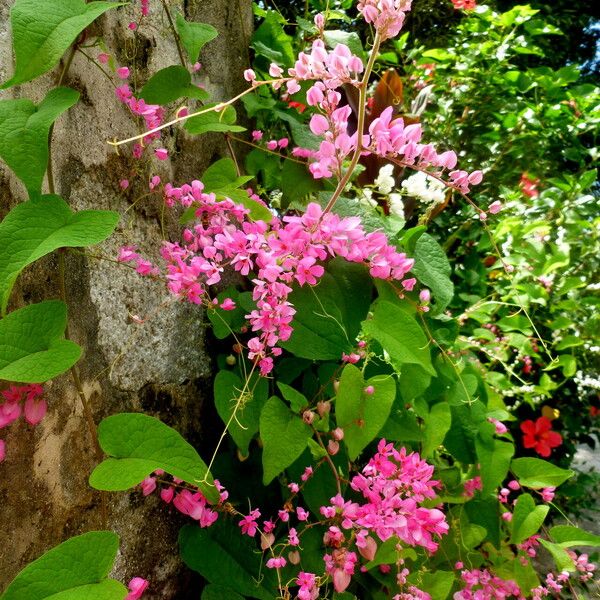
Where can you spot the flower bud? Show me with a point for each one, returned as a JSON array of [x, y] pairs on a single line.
[[333, 447], [323, 407]]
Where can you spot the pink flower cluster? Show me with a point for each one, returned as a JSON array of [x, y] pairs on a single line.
[[480, 583], [393, 484], [332, 69], [275, 255], [387, 16], [153, 114], [188, 502], [136, 586], [20, 400]]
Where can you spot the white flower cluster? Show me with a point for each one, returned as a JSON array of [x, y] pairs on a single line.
[[424, 187]]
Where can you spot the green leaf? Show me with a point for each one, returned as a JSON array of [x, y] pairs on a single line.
[[221, 178], [43, 29], [221, 121], [138, 445], [284, 436], [244, 426], [327, 315], [484, 512], [567, 536], [297, 182], [222, 175], [36, 228], [400, 336], [538, 473], [194, 36], [272, 42], [433, 270], [221, 555], [74, 570], [437, 426], [527, 518], [437, 584], [297, 400], [494, 459], [361, 415], [170, 84], [333, 37], [32, 348], [24, 129], [561, 557], [219, 592]]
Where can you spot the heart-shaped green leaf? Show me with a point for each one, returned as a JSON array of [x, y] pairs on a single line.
[[139, 445], [359, 414], [400, 336], [194, 36], [32, 348], [43, 29], [36, 228], [221, 555], [284, 436], [24, 129], [170, 84], [74, 570]]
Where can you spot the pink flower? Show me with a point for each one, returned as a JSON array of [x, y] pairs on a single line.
[[228, 304], [272, 145], [275, 70], [123, 72], [495, 207], [548, 494], [283, 142], [148, 485], [196, 67], [161, 153], [276, 563], [369, 390], [136, 587], [132, 25], [500, 427], [249, 75], [248, 523], [318, 124], [257, 135], [103, 58], [34, 410], [124, 184], [302, 514]]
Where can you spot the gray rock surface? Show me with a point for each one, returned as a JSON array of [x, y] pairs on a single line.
[[143, 351]]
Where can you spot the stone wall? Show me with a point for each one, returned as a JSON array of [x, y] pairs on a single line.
[[142, 350]]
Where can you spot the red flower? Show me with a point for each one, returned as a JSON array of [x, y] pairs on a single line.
[[464, 4], [297, 105], [540, 437]]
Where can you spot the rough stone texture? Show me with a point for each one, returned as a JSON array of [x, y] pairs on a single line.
[[143, 351]]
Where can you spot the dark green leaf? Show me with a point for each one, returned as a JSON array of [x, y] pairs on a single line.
[[400, 336], [228, 389], [74, 570], [527, 518], [24, 129], [494, 459], [361, 415], [222, 555], [433, 270], [327, 317], [284, 436], [43, 29], [36, 228], [138, 445], [170, 84], [32, 348], [194, 36]]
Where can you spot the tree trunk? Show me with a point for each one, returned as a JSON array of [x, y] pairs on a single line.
[[143, 351]]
